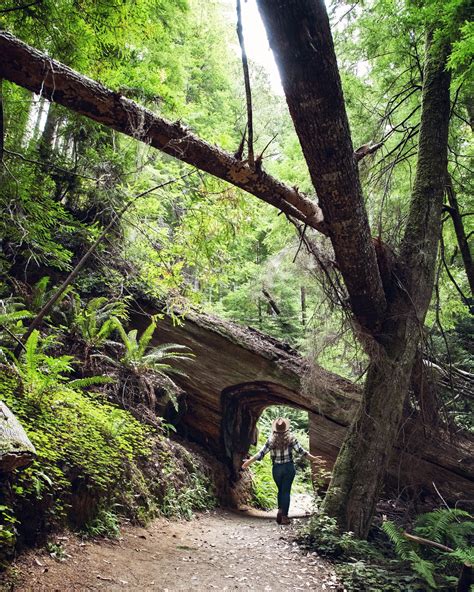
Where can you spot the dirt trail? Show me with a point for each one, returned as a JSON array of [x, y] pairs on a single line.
[[221, 550]]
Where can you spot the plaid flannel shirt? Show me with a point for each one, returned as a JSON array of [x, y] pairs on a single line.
[[281, 455]]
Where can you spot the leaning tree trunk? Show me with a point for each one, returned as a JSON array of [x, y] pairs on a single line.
[[462, 239], [365, 454], [391, 322]]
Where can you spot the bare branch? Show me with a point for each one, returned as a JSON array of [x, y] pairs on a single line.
[[248, 91], [366, 149]]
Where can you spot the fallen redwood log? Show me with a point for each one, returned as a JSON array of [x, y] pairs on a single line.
[[238, 372], [16, 450]]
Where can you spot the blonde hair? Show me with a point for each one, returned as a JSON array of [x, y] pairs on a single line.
[[281, 440]]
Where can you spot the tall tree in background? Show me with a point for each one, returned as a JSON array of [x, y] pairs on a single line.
[[388, 305]]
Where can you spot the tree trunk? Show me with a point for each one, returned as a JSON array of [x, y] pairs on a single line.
[[299, 35], [362, 462], [460, 234], [365, 454]]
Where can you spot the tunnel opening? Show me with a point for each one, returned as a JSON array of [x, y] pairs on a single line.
[[264, 490], [242, 406]]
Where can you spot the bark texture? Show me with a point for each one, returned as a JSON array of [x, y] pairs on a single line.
[[238, 372], [16, 450], [39, 73], [300, 37], [365, 454]]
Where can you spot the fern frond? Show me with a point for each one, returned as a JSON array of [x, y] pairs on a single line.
[[39, 292], [445, 526], [90, 381], [13, 317], [118, 325], [464, 555], [108, 359], [145, 338], [403, 547], [423, 567], [31, 357]]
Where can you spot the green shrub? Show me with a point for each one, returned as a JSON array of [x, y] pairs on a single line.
[[406, 566], [452, 529], [106, 523]]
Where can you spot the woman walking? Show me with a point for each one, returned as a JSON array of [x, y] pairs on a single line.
[[281, 445]]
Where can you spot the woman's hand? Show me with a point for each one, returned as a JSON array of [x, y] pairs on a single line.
[[247, 463], [316, 459]]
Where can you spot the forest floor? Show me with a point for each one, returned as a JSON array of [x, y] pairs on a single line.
[[220, 550]]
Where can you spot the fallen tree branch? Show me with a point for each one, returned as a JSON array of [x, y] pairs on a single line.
[[39, 73]]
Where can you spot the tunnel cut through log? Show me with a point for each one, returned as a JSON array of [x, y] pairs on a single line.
[[242, 406], [240, 371]]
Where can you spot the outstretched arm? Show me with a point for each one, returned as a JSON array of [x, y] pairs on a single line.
[[260, 454], [249, 461], [317, 459]]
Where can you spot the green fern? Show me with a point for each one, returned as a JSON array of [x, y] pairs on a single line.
[[11, 318], [445, 526], [464, 555], [146, 338], [451, 528], [138, 359], [41, 373], [95, 321], [403, 547], [151, 366], [423, 567], [90, 381], [41, 293]]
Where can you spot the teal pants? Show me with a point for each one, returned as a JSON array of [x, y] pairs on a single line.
[[283, 475]]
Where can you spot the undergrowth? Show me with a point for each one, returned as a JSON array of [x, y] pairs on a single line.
[[95, 463], [392, 563]]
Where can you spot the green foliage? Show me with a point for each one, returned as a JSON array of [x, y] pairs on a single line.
[[41, 374], [361, 576], [149, 366], [182, 502], [11, 327], [104, 524], [362, 565], [451, 528], [8, 532], [84, 448], [187, 488], [95, 320], [264, 489]]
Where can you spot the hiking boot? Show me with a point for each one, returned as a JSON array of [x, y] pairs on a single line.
[[285, 520], [279, 516]]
